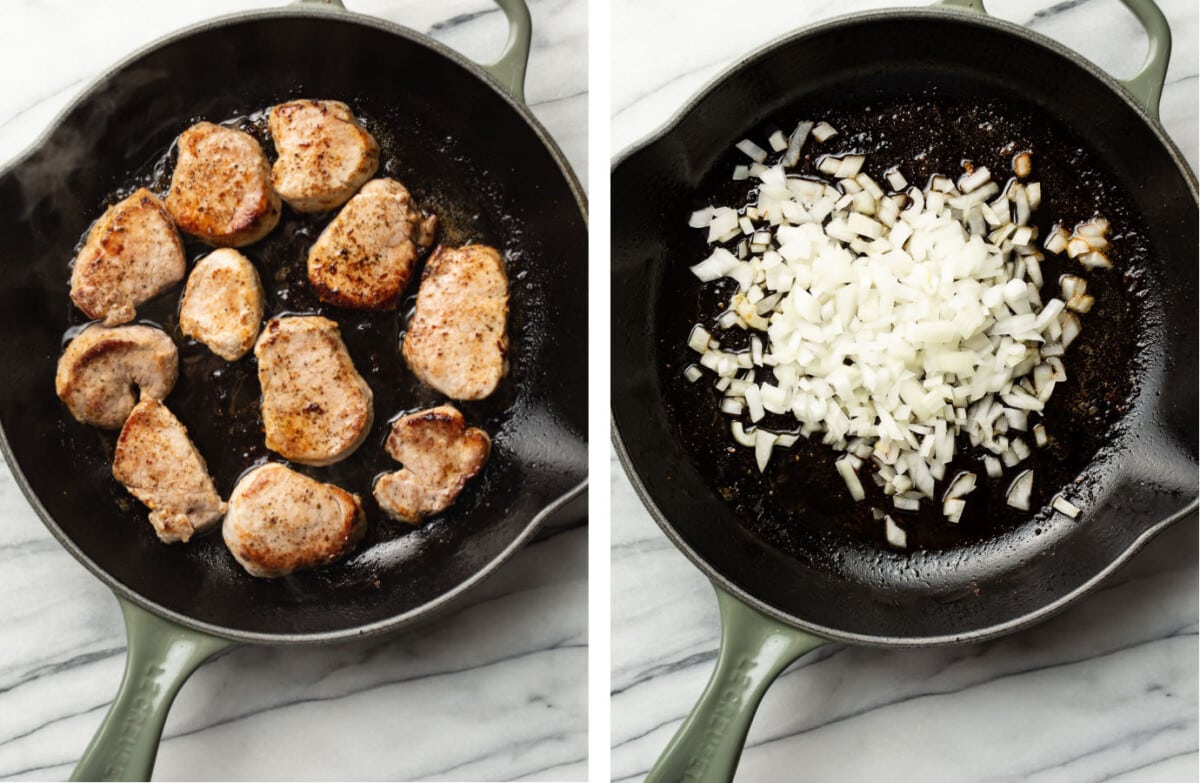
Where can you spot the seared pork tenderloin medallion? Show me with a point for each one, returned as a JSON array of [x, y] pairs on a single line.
[[316, 408], [132, 254], [102, 367], [159, 465], [458, 340], [325, 155], [221, 190], [280, 521], [223, 304], [365, 257], [440, 454]]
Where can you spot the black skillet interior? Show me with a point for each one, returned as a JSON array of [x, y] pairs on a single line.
[[465, 153], [923, 90]]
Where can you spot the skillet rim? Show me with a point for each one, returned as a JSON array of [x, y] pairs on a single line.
[[664, 130], [442, 602]]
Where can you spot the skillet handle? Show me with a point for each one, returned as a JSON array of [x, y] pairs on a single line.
[[1147, 85], [161, 657], [754, 650], [509, 69]]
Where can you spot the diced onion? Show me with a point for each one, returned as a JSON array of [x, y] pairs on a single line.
[[764, 442], [796, 143], [1020, 491], [1023, 164], [824, 132], [975, 179], [895, 179], [699, 339], [851, 478], [1065, 506], [894, 533], [740, 435], [752, 150], [891, 327]]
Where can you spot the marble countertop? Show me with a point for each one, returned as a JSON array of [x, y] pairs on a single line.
[[494, 692], [1105, 691]]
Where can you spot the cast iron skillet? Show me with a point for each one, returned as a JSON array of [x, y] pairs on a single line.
[[786, 586], [460, 137]]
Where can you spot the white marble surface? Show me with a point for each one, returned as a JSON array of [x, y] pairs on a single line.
[[1107, 691], [496, 692]]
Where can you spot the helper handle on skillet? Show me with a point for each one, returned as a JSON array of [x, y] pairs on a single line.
[[509, 69], [161, 656], [1146, 87], [754, 650]]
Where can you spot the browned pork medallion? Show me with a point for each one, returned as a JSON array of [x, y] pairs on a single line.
[[280, 521], [102, 366], [365, 257], [316, 408], [132, 254], [159, 465], [325, 155], [440, 454], [223, 304], [457, 341], [221, 190]]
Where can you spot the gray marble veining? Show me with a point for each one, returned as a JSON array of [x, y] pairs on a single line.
[[496, 691], [1107, 691]]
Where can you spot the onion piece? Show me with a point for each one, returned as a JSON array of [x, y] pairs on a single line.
[[993, 467], [1034, 192], [701, 218], [752, 150], [1070, 328], [1065, 506], [846, 470], [777, 141], [975, 179], [1020, 491], [764, 442], [796, 143], [953, 509], [894, 533], [1056, 240], [1095, 260], [1023, 164], [741, 436], [824, 132], [693, 373], [962, 485]]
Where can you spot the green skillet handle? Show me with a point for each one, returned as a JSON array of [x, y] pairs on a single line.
[[509, 70], [161, 656], [1147, 85], [754, 650]]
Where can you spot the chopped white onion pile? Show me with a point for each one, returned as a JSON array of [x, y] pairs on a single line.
[[893, 324]]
